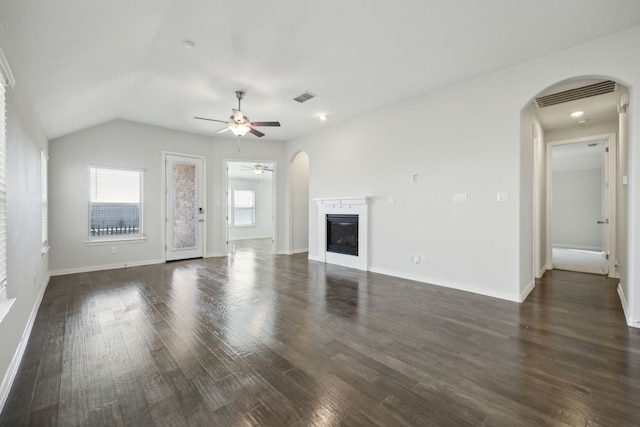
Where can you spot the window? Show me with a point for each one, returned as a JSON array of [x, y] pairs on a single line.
[[44, 167], [3, 184], [244, 207], [115, 204]]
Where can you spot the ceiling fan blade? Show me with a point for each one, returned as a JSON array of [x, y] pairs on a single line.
[[256, 132], [237, 115], [211, 120], [222, 130], [265, 123]]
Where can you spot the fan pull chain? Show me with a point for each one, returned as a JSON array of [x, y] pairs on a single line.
[[238, 146]]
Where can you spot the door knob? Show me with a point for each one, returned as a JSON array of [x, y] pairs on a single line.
[[601, 222]]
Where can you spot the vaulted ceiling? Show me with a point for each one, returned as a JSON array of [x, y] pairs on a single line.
[[84, 62]]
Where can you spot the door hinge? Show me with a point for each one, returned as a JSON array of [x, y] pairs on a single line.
[[606, 150], [607, 256], [165, 247]]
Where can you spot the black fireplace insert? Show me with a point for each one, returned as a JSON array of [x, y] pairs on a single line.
[[342, 234]]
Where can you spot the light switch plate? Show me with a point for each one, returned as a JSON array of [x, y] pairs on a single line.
[[460, 198], [503, 196]]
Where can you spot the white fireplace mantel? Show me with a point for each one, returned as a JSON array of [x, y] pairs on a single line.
[[357, 205], [340, 201]]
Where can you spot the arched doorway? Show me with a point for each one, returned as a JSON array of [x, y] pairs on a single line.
[[579, 147]]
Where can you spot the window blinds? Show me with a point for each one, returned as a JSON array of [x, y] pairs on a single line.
[[3, 185], [44, 160]]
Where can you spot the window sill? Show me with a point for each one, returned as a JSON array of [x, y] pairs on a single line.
[[5, 306], [109, 241]]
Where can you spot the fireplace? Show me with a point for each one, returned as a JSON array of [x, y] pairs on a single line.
[[342, 234], [342, 231]]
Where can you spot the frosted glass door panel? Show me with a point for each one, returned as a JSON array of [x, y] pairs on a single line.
[[184, 206], [185, 209]]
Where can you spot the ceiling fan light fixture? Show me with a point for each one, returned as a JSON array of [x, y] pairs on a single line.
[[239, 129], [258, 169]]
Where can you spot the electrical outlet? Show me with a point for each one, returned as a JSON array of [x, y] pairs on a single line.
[[423, 259], [460, 198], [410, 258], [114, 250]]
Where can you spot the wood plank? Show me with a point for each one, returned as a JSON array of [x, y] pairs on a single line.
[[280, 340]]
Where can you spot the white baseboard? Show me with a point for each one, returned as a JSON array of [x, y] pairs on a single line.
[[525, 293], [105, 267], [542, 270], [12, 371], [449, 284], [582, 248], [215, 255], [315, 258], [293, 252], [633, 322], [235, 239]]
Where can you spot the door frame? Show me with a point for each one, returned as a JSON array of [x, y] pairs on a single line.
[[610, 197], [274, 196], [163, 200]]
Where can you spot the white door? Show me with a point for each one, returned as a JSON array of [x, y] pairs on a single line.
[[579, 199], [604, 220], [184, 207]]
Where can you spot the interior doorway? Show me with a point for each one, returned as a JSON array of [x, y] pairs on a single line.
[[251, 205], [579, 200], [184, 203], [299, 207], [584, 111]]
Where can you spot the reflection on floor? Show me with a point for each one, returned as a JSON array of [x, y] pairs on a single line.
[[579, 260], [256, 246]]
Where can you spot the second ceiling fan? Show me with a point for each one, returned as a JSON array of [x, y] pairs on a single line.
[[238, 123]]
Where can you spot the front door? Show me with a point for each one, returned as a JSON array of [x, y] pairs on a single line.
[[184, 207]]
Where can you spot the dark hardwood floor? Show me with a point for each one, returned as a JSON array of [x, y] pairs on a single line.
[[280, 341]]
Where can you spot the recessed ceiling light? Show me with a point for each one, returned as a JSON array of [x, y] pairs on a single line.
[[322, 117], [577, 113], [189, 44]]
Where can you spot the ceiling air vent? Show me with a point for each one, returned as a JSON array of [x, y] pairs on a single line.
[[607, 86], [304, 97]]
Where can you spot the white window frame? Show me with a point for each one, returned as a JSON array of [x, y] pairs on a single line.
[[233, 216], [6, 79], [115, 237], [44, 190]]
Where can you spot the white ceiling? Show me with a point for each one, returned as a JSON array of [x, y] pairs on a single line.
[[245, 170], [85, 62]]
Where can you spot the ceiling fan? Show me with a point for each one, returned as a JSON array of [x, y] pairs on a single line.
[[258, 169], [238, 123]]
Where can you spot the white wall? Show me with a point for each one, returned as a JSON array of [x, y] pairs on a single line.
[[264, 207], [132, 145], [577, 206], [465, 139], [27, 267]]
